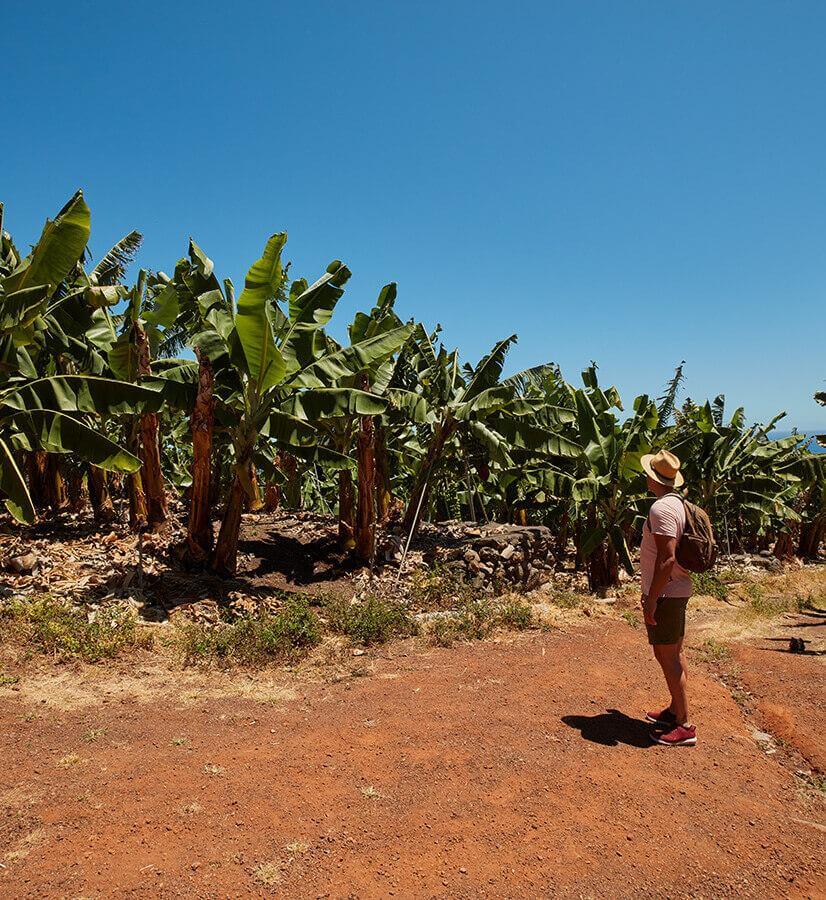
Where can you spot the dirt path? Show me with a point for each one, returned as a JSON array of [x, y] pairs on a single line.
[[485, 770]]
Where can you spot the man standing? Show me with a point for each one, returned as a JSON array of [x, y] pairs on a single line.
[[666, 588]]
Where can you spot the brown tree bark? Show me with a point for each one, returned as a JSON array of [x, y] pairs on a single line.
[[36, 476], [199, 535], [366, 513], [346, 514], [812, 535], [55, 485], [151, 474], [603, 567], [272, 491], [134, 483], [784, 546], [75, 490], [102, 507], [384, 494], [224, 559], [255, 501], [292, 489]]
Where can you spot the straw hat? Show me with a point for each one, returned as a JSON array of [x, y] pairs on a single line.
[[664, 468]]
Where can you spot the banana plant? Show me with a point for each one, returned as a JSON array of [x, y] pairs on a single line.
[[275, 373], [51, 411], [607, 484], [367, 366], [456, 407]]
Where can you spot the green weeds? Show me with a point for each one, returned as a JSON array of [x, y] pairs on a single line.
[[253, 640], [710, 585], [370, 621], [476, 617], [49, 626], [712, 651]]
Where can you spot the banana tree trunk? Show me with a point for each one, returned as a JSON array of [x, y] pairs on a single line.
[[346, 516], [292, 489], [417, 504], [784, 546], [36, 475], [255, 501], [102, 507], [134, 483], [151, 474], [272, 497], [75, 490], [603, 567], [225, 555], [199, 528], [384, 496], [55, 484], [366, 521], [811, 536]]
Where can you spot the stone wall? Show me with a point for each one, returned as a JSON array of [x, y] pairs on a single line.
[[494, 557]]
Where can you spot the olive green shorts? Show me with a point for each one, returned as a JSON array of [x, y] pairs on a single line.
[[670, 617]]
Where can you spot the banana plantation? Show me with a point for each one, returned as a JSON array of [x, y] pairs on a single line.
[[118, 397]]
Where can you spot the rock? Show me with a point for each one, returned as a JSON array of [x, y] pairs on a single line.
[[471, 557], [23, 565], [604, 600], [762, 737], [507, 552]]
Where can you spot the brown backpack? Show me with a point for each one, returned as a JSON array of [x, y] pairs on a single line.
[[697, 549]]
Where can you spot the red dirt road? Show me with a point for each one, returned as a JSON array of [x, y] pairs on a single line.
[[485, 770]]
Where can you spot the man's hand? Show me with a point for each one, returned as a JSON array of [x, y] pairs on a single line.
[[649, 607]]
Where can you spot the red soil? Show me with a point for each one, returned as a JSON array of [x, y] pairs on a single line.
[[484, 770]]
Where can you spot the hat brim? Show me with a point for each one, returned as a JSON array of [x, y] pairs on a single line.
[[645, 462]]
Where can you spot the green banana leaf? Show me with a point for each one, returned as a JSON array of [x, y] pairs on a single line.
[[265, 364], [61, 244], [13, 485]]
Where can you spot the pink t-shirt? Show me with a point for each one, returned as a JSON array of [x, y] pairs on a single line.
[[667, 517]]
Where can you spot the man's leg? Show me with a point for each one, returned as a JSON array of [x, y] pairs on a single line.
[[672, 661]]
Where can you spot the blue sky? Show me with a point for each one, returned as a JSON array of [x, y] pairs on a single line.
[[634, 183]]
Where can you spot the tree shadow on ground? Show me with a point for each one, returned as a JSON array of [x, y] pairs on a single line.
[[612, 728]]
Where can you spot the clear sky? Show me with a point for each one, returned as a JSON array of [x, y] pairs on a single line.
[[631, 182]]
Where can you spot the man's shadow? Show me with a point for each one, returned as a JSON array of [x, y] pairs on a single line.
[[612, 728]]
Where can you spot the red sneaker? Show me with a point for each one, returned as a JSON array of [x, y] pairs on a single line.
[[666, 718], [681, 736]]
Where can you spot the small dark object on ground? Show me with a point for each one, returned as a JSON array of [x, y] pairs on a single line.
[[797, 645]]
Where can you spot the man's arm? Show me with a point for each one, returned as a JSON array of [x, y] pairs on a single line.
[[666, 557]]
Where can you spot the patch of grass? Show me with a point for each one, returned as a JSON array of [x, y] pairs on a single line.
[[444, 631], [50, 626], [729, 576], [93, 734], [515, 613], [710, 585], [630, 618], [435, 587], [567, 599], [215, 771], [476, 617], [179, 741], [713, 651], [268, 874], [71, 759], [370, 621], [7, 680], [763, 603], [253, 640]]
